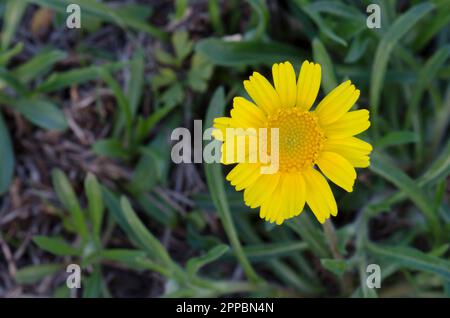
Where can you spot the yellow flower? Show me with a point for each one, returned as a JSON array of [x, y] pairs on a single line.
[[309, 140]]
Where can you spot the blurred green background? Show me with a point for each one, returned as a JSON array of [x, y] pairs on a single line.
[[86, 176]]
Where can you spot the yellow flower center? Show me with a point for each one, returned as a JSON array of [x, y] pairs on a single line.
[[300, 138]]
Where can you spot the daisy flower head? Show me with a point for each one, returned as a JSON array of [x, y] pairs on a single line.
[[313, 145]]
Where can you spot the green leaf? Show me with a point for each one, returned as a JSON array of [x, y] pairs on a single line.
[[68, 198], [55, 245], [426, 74], [165, 77], [38, 65], [413, 259], [42, 113], [145, 126], [60, 80], [214, 16], [336, 266], [396, 138], [8, 79], [263, 252], [95, 203], [136, 82], [122, 100], [173, 96], [12, 16], [397, 30], [93, 284], [357, 49], [313, 13], [6, 157], [262, 14], [121, 255], [7, 55], [34, 273], [99, 10], [182, 45], [194, 264], [199, 73], [321, 56], [214, 178], [387, 170], [148, 240], [227, 53], [110, 147]]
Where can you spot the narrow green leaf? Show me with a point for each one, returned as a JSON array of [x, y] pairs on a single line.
[[262, 14], [336, 266], [136, 82], [387, 170], [7, 55], [93, 284], [413, 259], [194, 264], [60, 80], [12, 16], [55, 245], [321, 56], [148, 240], [227, 53], [396, 31], [42, 113], [122, 101], [68, 198], [34, 273], [110, 147], [95, 203], [396, 138], [273, 250], [38, 65], [99, 10], [6, 157]]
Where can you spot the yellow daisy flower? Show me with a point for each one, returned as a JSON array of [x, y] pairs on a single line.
[[309, 141]]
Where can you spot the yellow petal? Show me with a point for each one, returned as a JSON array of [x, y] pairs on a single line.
[[245, 114], [295, 194], [337, 169], [350, 124], [355, 150], [337, 103], [244, 175], [262, 188], [319, 196], [262, 93], [308, 84], [272, 207], [284, 80]]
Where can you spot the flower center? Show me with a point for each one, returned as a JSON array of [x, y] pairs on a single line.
[[300, 138]]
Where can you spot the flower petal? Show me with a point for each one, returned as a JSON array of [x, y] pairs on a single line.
[[244, 175], [337, 169], [308, 84], [337, 103], [352, 123], [284, 80], [295, 190], [262, 188], [262, 93], [319, 196], [245, 114], [355, 150]]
